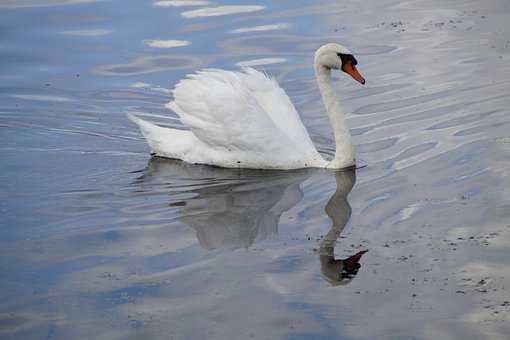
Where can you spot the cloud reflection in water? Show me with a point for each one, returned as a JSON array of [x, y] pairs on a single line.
[[150, 64], [181, 3], [167, 43], [262, 28], [221, 10], [261, 61]]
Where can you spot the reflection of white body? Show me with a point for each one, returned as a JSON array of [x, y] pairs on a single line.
[[244, 119], [230, 208]]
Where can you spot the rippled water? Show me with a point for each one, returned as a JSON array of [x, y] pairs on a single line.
[[101, 242]]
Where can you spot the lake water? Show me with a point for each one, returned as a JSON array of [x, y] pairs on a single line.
[[99, 241]]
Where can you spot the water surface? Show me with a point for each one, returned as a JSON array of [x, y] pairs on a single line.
[[99, 241]]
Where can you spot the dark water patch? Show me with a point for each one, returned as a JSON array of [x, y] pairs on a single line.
[[400, 104], [415, 150], [124, 95], [376, 146], [374, 49], [372, 91], [260, 44], [309, 335], [462, 120], [16, 59], [11, 321], [361, 131], [441, 111], [479, 129]]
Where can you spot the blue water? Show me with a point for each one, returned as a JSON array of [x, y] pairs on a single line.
[[99, 241]]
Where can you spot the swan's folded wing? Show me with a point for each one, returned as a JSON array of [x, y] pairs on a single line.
[[243, 111], [278, 106]]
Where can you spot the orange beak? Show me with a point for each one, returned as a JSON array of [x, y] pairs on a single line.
[[350, 69]]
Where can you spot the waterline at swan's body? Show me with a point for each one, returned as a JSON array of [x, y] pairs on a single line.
[[245, 119], [184, 145]]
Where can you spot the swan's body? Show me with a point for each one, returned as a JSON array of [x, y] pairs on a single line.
[[245, 119]]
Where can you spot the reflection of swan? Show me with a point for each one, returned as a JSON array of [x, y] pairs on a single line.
[[339, 272], [230, 208], [244, 119]]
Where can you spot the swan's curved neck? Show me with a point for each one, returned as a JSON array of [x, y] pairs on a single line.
[[344, 154]]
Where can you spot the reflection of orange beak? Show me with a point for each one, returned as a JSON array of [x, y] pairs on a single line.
[[354, 259], [353, 71]]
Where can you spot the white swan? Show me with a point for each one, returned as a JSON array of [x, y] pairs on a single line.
[[245, 119]]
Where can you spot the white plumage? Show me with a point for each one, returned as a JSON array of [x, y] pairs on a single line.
[[236, 119]]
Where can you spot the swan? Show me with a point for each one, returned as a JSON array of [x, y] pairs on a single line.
[[246, 120]]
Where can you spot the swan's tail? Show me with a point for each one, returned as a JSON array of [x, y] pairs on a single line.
[[153, 134], [146, 127], [163, 142]]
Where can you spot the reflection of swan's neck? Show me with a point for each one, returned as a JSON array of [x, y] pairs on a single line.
[[339, 211], [338, 271], [344, 155]]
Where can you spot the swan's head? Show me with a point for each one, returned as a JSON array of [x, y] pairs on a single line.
[[337, 57], [340, 272]]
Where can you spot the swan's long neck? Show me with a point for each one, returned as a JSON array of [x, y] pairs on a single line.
[[344, 154]]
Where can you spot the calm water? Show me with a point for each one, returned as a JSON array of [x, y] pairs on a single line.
[[98, 241]]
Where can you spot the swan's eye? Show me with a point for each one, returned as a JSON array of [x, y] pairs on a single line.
[[347, 57]]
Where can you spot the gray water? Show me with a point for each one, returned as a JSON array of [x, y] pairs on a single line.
[[99, 241]]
